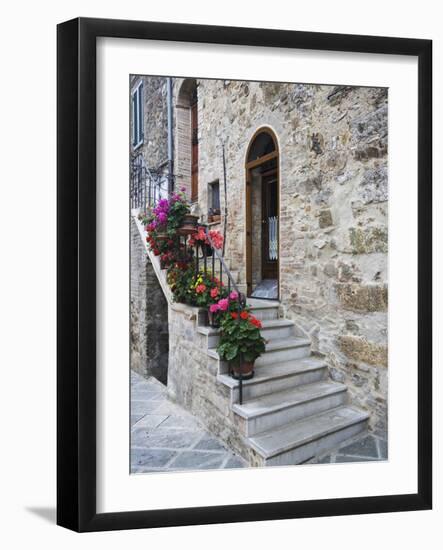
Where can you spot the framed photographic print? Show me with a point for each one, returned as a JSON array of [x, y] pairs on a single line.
[[244, 274]]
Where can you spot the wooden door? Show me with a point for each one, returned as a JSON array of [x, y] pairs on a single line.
[[194, 151], [269, 225]]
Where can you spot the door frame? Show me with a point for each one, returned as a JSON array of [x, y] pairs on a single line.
[[249, 166]]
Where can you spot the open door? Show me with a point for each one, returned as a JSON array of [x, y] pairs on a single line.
[[262, 216]]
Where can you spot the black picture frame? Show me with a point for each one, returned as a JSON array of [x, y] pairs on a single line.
[[76, 279]]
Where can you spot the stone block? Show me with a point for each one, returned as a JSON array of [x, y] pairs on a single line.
[[360, 349], [325, 218], [374, 185], [362, 297], [368, 240]]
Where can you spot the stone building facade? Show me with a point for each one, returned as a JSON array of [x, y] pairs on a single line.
[[329, 153]]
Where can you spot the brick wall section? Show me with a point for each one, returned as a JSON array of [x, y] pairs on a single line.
[[149, 315]]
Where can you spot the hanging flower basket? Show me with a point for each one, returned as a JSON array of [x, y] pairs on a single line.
[[189, 225], [162, 237]]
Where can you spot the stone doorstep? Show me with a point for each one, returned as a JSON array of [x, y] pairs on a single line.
[[292, 436]]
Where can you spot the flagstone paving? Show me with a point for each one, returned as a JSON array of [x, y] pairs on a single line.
[[362, 449], [165, 437]]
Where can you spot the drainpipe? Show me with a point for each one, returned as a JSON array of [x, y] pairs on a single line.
[[170, 137]]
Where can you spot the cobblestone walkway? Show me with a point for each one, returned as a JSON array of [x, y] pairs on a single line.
[[165, 437]]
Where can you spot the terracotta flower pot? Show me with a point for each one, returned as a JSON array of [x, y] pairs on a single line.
[[189, 225], [246, 368], [162, 237], [216, 218]]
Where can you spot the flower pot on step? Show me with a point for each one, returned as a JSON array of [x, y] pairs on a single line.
[[213, 319], [245, 368]]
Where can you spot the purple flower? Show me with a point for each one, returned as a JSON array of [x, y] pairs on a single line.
[[163, 205], [182, 189], [162, 217]]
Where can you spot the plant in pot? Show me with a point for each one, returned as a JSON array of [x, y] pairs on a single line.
[[207, 290], [241, 342], [180, 278]]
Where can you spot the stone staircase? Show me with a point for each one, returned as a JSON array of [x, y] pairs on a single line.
[[291, 410]]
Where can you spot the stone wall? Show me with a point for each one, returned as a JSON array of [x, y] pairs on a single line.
[[333, 207], [333, 213], [155, 113], [149, 315], [192, 382]]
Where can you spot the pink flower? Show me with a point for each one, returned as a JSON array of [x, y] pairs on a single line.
[[213, 308], [182, 189], [214, 292], [216, 238], [233, 295], [223, 304]]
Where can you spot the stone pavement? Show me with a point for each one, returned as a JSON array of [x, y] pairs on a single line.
[[165, 437], [360, 449]]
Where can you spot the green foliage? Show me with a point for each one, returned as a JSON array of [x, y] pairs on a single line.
[[240, 337]]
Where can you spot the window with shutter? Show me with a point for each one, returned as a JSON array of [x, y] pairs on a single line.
[[137, 116]]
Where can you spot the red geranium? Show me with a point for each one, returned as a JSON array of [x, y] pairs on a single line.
[[254, 321], [244, 315]]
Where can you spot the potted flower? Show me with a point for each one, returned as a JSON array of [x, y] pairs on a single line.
[[241, 342], [189, 221]]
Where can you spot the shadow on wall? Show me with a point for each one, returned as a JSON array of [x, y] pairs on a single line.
[[149, 315]]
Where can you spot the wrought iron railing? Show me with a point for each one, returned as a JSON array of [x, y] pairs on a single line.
[[209, 259], [148, 186]]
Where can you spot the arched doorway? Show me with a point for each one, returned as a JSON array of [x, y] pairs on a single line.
[[187, 136], [262, 215]]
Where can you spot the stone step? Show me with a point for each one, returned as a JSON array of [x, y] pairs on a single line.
[[264, 309], [272, 329], [274, 378], [298, 442], [282, 350], [272, 411]]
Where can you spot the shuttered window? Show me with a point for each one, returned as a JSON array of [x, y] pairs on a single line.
[[137, 116]]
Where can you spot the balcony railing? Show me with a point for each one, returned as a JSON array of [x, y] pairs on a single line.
[[148, 186]]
